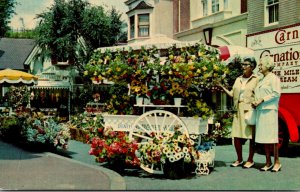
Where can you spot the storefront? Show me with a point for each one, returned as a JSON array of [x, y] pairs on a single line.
[[51, 95]]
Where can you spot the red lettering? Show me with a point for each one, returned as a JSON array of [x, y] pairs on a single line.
[[279, 37]]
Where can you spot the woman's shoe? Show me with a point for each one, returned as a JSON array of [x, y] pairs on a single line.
[[276, 168], [236, 164], [266, 168], [248, 165]]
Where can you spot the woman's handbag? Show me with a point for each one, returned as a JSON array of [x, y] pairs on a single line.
[[250, 117]]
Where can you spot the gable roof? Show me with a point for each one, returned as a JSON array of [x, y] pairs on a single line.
[[14, 52], [141, 5]]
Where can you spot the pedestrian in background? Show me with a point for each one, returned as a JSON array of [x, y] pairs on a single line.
[[243, 95], [267, 94]]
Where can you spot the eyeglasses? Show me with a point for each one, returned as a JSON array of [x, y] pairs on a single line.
[[245, 64]]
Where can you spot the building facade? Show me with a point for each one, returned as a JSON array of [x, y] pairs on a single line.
[[214, 22], [147, 18], [274, 30]]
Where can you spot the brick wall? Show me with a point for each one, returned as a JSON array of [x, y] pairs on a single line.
[[175, 16], [184, 15]]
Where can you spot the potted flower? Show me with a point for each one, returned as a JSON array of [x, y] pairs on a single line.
[[158, 92], [113, 147], [172, 149]]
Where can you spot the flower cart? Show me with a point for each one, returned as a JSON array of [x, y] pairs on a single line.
[[161, 74], [159, 125]]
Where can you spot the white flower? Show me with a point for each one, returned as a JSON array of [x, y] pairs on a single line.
[[171, 159], [185, 150]]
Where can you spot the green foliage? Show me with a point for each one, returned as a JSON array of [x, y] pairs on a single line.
[[120, 101], [45, 131], [71, 29], [27, 34], [235, 70], [6, 12]]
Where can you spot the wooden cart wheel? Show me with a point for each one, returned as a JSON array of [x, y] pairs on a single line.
[[151, 125]]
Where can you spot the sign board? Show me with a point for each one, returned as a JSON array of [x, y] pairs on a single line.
[[125, 122], [283, 45]]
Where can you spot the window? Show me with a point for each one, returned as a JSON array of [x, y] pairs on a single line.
[[131, 22], [143, 25], [272, 11], [205, 8], [225, 4], [215, 6]]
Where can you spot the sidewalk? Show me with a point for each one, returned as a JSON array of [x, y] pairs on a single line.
[[22, 170]]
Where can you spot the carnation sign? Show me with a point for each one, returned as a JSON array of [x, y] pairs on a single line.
[[283, 45]]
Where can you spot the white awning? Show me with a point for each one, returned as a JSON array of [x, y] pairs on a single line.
[[159, 41], [52, 85]]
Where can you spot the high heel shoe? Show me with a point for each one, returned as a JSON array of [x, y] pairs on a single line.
[[236, 164], [276, 168], [266, 168], [248, 165]]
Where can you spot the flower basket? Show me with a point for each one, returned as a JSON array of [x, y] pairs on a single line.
[[174, 170], [78, 134], [118, 165]]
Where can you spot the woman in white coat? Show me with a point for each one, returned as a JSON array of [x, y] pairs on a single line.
[[267, 94]]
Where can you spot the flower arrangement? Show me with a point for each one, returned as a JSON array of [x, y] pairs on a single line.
[[157, 92], [199, 108], [18, 96], [138, 88], [46, 131], [172, 146], [120, 101], [221, 129], [80, 125], [178, 90], [145, 69], [108, 145]]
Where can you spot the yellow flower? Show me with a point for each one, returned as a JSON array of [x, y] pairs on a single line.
[[85, 73]]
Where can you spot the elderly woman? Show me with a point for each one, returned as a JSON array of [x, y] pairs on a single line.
[[243, 95], [267, 94]]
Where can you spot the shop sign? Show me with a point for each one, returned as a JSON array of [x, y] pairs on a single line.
[[283, 45]]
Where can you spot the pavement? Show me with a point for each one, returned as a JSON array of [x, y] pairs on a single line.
[[75, 169], [23, 170]]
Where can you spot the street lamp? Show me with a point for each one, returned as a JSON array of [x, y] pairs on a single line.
[[207, 35]]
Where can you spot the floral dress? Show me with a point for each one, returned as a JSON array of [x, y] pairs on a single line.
[[269, 89]]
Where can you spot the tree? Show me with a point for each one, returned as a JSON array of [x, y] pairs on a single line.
[[71, 30], [6, 12]]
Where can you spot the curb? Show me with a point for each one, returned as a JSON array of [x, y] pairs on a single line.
[[117, 182]]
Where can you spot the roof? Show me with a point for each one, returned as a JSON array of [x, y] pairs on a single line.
[[141, 5], [14, 52]]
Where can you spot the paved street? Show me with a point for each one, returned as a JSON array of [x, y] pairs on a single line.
[[73, 162], [223, 177]]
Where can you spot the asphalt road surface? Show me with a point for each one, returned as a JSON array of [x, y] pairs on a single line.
[[222, 177]]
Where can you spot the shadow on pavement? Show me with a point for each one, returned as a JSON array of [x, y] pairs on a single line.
[[292, 151]]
